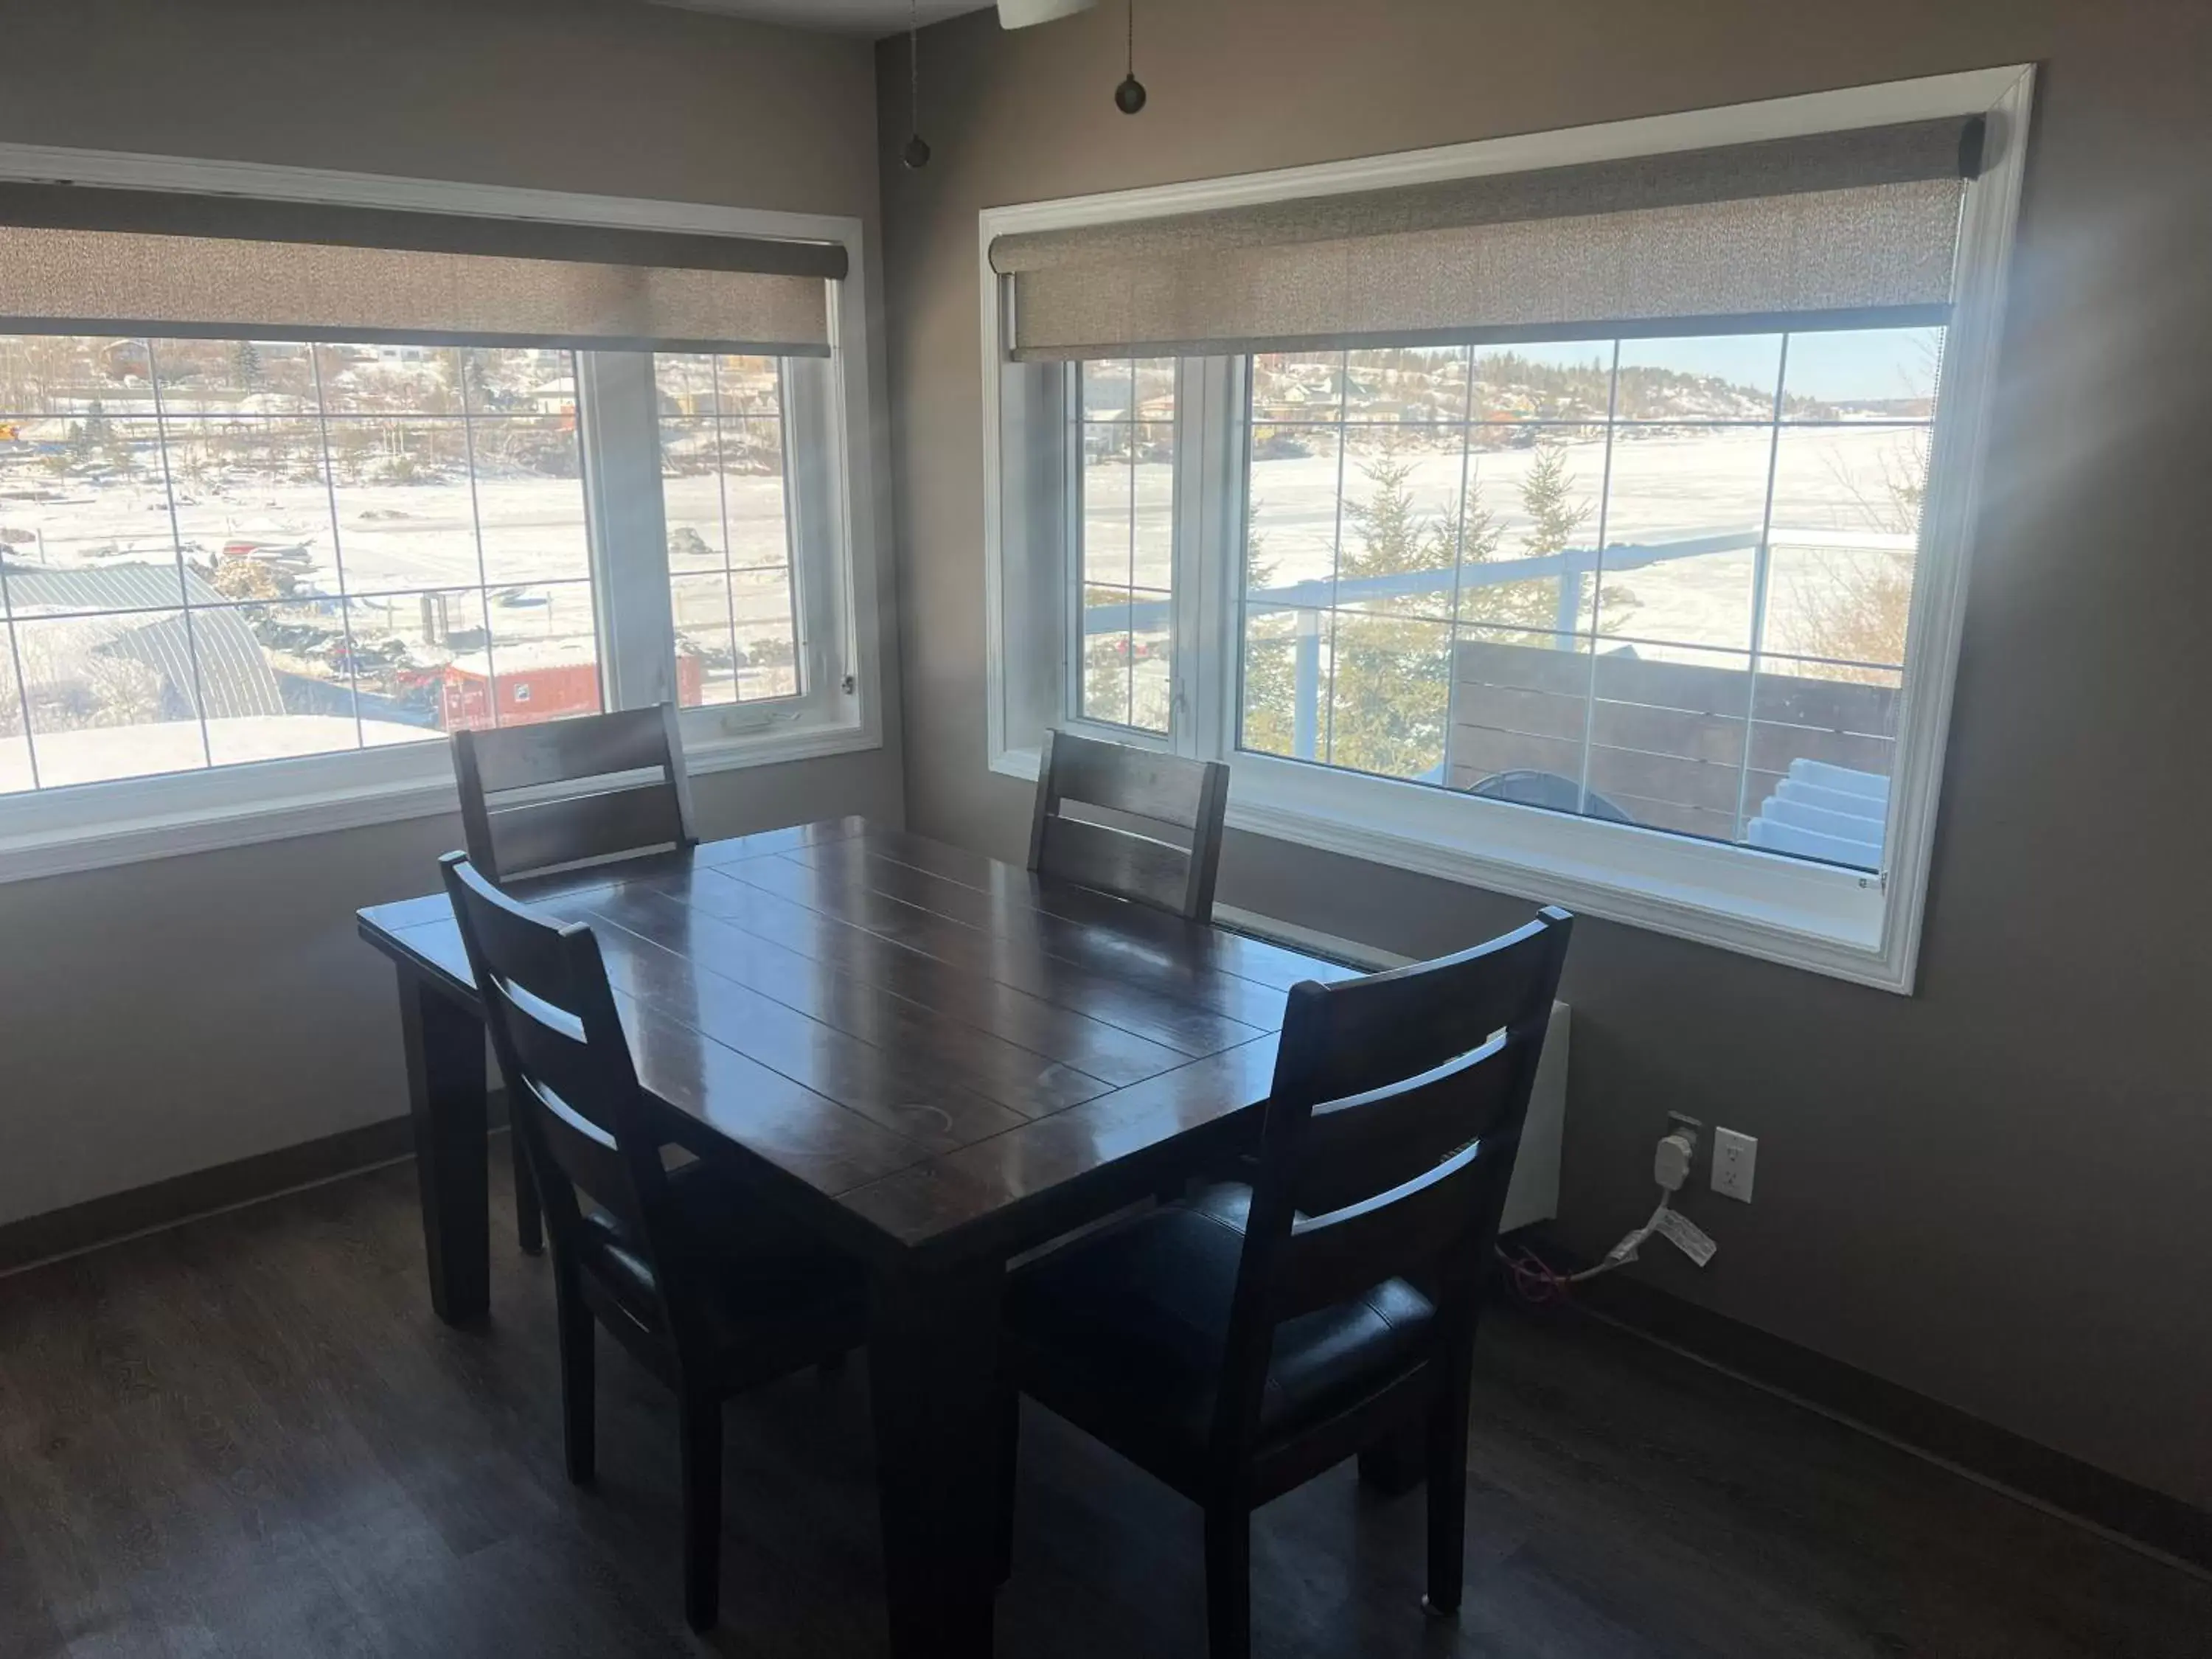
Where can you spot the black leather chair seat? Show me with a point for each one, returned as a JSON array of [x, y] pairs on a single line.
[[758, 1271], [1130, 1322]]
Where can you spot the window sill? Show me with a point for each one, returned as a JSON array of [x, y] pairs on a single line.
[[99, 825], [1818, 918]]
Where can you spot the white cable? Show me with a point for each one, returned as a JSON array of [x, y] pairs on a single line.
[[1624, 1252]]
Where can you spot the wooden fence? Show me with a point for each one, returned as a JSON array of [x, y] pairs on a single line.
[[1666, 740]]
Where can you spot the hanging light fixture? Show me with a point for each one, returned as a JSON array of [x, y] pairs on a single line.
[[1129, 96], [916, 153]]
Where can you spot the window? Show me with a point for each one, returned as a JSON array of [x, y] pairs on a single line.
[[1583, 515], [251, 576], [729, 529], [1122, 437], [214, 552]]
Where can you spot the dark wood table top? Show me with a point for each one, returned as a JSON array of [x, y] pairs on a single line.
[[940, 1053]]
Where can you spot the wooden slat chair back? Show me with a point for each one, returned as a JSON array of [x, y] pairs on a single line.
[[515, 819], [1388, 1139], [1184, 798], [574, 1093]]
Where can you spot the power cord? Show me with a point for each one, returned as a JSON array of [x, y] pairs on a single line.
[[1538, 1284]]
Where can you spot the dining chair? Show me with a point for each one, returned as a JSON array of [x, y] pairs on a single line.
[[1237, 1343], [690, 1270], [1179, 798], [516, 820]]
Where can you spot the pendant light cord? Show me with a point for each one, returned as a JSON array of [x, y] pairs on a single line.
[[1130, 11], [914, 67]]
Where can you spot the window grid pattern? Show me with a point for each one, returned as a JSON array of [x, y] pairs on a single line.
[[1658, 580], [216, 552], [725, 495], [1123, 449]]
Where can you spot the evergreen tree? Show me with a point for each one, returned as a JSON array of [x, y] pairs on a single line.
[[246, 364]]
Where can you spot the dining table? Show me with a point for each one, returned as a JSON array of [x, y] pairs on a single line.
[[937, 1060]]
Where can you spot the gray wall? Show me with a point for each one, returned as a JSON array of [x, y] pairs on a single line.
[[171, 1015], [1998, 1192]]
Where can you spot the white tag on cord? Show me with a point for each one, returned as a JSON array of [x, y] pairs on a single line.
[[1686, 1236]]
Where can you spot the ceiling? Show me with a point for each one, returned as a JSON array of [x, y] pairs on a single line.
[[868, 17]]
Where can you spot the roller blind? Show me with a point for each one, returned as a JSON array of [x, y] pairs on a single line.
[[1850, 225], [77, 259]]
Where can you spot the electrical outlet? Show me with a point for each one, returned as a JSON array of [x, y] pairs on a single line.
[[1736, 1156]]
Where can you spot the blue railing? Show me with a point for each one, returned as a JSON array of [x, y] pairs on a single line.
[[1311, 600]]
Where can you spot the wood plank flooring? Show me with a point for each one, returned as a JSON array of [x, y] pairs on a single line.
[[250, 1436]]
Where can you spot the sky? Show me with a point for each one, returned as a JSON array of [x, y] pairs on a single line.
[[1843, 366]]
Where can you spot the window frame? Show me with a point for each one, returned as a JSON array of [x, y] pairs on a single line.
[[833, 498], [1848, 924]]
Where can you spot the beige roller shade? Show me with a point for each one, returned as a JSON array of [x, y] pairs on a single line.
[[1831, 226], [86, 259]]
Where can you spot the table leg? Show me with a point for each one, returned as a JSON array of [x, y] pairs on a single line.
[[933, 1377], [445, 1045]]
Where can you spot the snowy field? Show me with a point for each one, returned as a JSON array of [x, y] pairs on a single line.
[[1834, 510]]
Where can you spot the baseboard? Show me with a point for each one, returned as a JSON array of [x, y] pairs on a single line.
[[2154, 1520], [99, 1221]]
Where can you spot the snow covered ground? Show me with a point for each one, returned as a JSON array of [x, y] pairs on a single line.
[[1833, 510]]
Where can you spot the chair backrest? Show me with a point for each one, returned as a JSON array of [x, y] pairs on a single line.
[[571, 1086], [516, 821], [1183, 799], [1388, 1139]]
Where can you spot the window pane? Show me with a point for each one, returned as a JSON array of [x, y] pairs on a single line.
[[706, 650], [1401, 517], [1520, 713], [723, 491], [419, 663], [1281, 681], [1297, 386], [234, 377], [1109, 479], [1684, 506], [275, 680], [1568, 382], [1667, 739], [1844, 532], [389, 379], [45, 376], [1823, 748], [748, 385], [1291, 506], [691, 495], [753, 493], [406, 509], [544, 656], [84, 520], [253, 504], [767, 632], [110, 696], [1151, 661], [1726, 377], [1421, 384], [1109, 390], [530, 500], [1389, 695], [1883, 372], [1107, 650]]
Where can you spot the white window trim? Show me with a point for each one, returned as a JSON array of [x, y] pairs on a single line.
[[92, 826], [1846, 924]]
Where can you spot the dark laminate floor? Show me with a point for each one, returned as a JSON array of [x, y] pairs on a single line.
[[250, 1436]]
